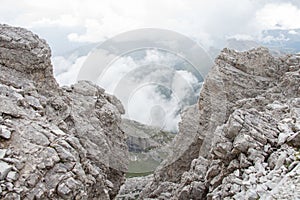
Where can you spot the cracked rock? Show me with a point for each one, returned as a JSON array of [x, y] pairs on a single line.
[[248, 122], [5, 132], [57, 143], [4, 169]]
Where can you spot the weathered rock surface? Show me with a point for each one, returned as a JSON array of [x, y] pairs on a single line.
[[25, 55], [240, 142], [56, 143], [132, 187], [248, 132]]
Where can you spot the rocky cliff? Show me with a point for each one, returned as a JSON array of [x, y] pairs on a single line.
[[241, 141], [55, 143], [245, 138]]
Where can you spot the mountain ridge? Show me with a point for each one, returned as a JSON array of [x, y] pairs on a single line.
[[248, 132]]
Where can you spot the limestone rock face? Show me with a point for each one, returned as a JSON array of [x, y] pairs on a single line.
[[24, 55], [55, 143], [248, 132], [132, 187]]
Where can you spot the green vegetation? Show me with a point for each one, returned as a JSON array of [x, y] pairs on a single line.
[[143, 164], [147, 146]]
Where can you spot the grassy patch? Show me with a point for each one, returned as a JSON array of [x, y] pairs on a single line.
[[141, 166]]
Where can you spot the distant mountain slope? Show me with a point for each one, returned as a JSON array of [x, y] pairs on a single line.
[[148, 146]]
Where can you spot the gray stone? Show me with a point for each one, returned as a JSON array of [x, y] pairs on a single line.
[[34, 102], [4, 169], [43, 117], [12, 176], [259, 168], [63, 190], [9, 186], [294, 139], [282, 138], [5, 132], [12, 196], [2, 153], [57, 131], [86, 88], [251, 195], [133, 186], [30, 54], [109, 184], [280, 160], [248, 100], [248, 105]]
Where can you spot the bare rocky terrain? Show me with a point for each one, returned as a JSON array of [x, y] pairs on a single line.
[[55, 143], [246, 145], [241, 141]]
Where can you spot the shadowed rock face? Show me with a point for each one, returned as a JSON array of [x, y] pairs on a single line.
[[248, 131], [55, 143]]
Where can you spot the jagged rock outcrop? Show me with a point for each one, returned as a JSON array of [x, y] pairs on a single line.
[[25, 55], [249, 128], [132, 187], [55, 143]]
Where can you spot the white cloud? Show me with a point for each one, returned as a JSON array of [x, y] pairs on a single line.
[[115, 72], [158, 112], [241, 37], [65, 71], [99, 30], [279, 16], [293, 32], [208, 21], [270, 38], [128, 70], [62, 20]]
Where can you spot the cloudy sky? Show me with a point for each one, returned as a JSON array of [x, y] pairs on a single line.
[[69, 24], [63, 22]]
